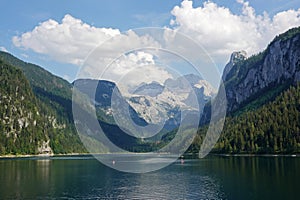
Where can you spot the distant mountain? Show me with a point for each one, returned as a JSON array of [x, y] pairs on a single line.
[[152, 89], [163, 103], [100, 93], [183, 82]]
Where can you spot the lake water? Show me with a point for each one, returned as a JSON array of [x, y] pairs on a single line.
[[211, 178]]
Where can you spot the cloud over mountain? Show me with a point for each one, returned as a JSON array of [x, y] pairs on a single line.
[[221, 32], [72, 40], [216, 28]]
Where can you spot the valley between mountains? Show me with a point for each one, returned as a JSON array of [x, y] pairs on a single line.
[[263, 111]]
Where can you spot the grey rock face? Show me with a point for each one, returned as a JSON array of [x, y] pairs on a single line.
[[234, 58], [279, 63]]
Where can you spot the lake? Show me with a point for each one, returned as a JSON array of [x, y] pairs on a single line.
[[214, 177]]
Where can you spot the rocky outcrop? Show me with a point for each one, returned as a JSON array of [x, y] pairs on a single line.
[[278, 65], [235, 57], [44, 148]]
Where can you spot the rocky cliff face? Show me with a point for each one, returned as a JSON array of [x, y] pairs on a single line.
[[278, 65], [235, 57]]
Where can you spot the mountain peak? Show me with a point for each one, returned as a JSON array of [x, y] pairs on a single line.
[[152, 89], [238, 56], [235, 57]]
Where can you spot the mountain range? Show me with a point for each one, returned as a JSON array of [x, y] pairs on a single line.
[[262, 113], [162, 103]]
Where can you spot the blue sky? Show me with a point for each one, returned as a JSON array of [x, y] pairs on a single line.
[[18, 17]]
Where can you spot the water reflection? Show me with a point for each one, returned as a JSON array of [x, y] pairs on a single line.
[[257, 177], [18, 178], [43, 170], [209, 178], [174, 183]]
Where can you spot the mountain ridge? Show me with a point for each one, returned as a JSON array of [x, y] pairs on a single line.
[[262, 83]]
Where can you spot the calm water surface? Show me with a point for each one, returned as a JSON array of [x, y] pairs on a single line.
[[210, 178]]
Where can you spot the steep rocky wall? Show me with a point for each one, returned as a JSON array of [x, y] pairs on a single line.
[[278, 64]]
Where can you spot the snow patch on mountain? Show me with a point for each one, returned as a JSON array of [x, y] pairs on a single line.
[[157, 103]]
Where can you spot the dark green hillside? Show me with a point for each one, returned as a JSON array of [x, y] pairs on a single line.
[[51, 89], [273, 128], [53, 100], [39, 77], [21, 124]]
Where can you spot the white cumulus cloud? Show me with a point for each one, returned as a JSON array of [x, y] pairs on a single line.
[[72, 40], [221, 32], [216, 28], [135, 68], [69, 41]]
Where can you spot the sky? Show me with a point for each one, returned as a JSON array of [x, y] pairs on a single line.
[[59, 34]]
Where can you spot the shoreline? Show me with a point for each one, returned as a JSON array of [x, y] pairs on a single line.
[[43, 155], [67, 155], [256, 155], [187, 155]]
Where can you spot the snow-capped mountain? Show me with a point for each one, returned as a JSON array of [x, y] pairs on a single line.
[[150, 103], [157, 103], [208, 90], [153, 89]]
